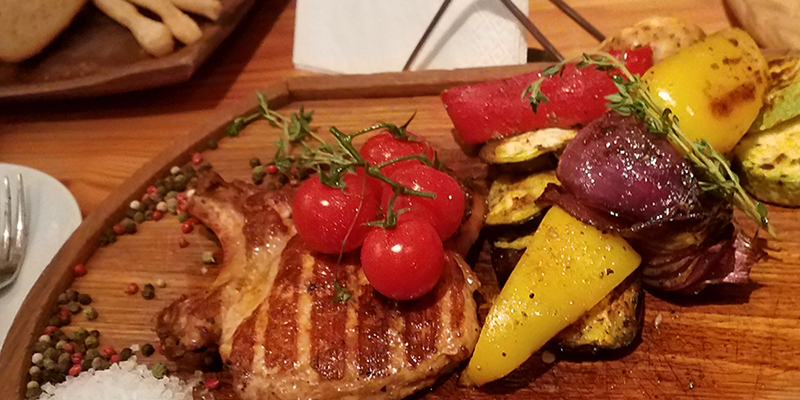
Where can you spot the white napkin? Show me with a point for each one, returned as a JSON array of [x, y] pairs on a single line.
[[370, 36]]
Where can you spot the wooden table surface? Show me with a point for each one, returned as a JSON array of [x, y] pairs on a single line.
[[92, 145]]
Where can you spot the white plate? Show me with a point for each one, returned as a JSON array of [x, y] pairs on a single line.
[[53, 215]]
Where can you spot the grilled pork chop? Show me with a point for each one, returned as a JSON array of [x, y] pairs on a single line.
[[272, 312]]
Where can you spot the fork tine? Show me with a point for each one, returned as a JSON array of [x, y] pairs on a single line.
[[6, 223], [21, 234]]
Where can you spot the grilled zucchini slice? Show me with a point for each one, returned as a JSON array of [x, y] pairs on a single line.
[[612, 324], [783, 97], [769, 163], [531, 151], [512, 200]]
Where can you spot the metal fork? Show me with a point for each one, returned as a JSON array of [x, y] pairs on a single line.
[[15, 234]]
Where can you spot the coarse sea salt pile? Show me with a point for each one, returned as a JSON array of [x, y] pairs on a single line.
[[126, 380]]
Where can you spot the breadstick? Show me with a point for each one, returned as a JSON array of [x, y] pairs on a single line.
[[207, 8], [153, 36], [181, 25]]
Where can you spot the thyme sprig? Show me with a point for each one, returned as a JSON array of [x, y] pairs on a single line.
[[633, 98]]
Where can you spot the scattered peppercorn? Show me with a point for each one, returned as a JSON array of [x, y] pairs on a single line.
[[272, 169], [55, 321], [99, 364], [255, 162], [172, 205], [69, 348], [37, 358], [159, 370], [76, 358], [114, 359], [73, 307], [160, 283], [118, 229], [132, 288], [62, 299], [86, 363], [187, 226], [65, 320], [205, 167], [91, 342], [90, 313], [148, 292], [125, 354], [212, 144], [148, 350], [35, 373], [157, 215], [183, 243], [128, 225], [44, 338], [40, 347], [91, 354], [211, 383], [95, 333], [108, 351], [49, 364], [75, 370], [183, 217], [84, 299], [65, 358], [138, 217], [79, 270]]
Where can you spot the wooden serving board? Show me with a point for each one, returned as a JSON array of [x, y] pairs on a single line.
[[733, 342], [97, 56]]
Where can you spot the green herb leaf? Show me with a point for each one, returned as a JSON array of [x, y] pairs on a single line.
[[342, 294]]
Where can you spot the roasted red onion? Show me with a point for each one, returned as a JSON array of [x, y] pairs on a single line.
[[617, 176]]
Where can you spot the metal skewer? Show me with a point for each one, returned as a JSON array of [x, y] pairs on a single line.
[[523, 19]]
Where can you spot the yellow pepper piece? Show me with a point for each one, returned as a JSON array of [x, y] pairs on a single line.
[[567, 269], [715, 87]]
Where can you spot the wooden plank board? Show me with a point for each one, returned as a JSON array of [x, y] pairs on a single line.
[[97, 56], [730, 342]]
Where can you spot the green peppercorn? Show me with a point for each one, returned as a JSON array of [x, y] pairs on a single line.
[[59, 335], [169, 185], [40, 347], [259, 172], [148, 203], [148, 350], [128, 225], [72, 295], [32, 384], [148, 291], [49, 364], [208, 258], [62, 299], [283, 179], [125, 354], [90, 313], [180, 183], [159, 370], [35, 373], [33, 393], [99, 363], [205, 167], [85, 299], [95, 333], [91, 354], [73, 307], [51, 354], [60, 345], [64, 357], [64, 321], [162, 190], [86, 363], [182, 217], [255, 162], [172, 205], [91, 342], [80, 347], [212, 144], [78, 335], [148, 215], [138, 217]]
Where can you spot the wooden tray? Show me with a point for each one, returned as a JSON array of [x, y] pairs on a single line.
[[730, 342], [96, 56]]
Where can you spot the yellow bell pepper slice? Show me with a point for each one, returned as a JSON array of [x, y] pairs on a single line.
[[567, 268], [715, 87]]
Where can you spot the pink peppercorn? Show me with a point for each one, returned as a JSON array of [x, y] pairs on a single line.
[[75, 370], [108, 351], [211, 383], [114, 359], [63, 313], [197, 158], [151, 190], [183, 242], [79, 270], [77, 358], [187, 226], [159, 348], [69, 348], [118, 229], [157, 215], [50, 330], [132, 288], [272, 169]]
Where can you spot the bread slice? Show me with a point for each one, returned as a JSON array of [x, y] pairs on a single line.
[[27, 26]]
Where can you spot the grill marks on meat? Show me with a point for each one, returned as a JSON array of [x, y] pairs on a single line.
[[281, 332]]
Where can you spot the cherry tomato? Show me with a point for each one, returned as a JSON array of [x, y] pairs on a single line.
[[332, 220], [384, 147], [445, 211], [403, 263]]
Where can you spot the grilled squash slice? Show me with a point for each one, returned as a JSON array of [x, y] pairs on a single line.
[[531, 151], [612, 324], [783, 96], [769, 163], [512, 200]]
